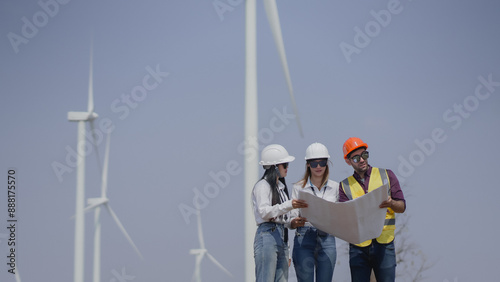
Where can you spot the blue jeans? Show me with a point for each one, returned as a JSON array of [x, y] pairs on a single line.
[[379, 257], [270, 253], [313, 249]]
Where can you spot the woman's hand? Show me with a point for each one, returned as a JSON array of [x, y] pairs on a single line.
[[298, 222], [296, 204]]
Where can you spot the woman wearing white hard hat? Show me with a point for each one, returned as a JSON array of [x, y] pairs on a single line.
[[314, 251], [271, 205]]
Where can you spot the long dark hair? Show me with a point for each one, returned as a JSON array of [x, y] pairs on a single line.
[[271, 173]]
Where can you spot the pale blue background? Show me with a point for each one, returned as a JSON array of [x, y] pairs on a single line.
[[396, 90]]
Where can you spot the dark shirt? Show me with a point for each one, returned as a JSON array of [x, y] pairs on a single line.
[[396, 192]]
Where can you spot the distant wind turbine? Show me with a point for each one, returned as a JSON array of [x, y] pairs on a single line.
[[201, 252], [251, 114], [95, 204], [18, 276], [81, 118]]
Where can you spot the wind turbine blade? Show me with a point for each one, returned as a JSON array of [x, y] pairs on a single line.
[[197, 268], [104, 184], [274, 22], [218, 264], [120, 225], [90, 107], [18, 277], [200, 232], [95, 204]]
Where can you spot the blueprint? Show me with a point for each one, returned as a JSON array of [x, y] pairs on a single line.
[[354, 221]]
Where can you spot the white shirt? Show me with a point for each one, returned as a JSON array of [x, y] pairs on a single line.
[[329, 192], [263, 209]]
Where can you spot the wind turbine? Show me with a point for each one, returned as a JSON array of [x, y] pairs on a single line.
[[95, 204], [18, 277], [201, 252], [251, 113], [81, 118]]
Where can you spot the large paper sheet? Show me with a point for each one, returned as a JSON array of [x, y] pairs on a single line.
[[354, 221]]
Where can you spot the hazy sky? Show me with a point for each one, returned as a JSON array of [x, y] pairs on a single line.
[[419, 81]]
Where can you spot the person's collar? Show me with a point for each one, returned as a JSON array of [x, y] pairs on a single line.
[[281, 186], [309, 183], [367, 173]]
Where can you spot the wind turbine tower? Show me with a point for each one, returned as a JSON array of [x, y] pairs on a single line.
[[251, 113], [81, 118], [201, 252], [96, 204]]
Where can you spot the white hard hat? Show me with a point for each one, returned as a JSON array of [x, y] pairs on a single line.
[[317, 151], [275, 154]]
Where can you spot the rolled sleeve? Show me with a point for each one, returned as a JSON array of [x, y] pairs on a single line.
[[396, 192]]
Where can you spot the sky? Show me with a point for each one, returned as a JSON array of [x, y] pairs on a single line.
[[419, 81]]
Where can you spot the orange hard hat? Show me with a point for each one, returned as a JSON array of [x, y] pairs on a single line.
[[352, 144]]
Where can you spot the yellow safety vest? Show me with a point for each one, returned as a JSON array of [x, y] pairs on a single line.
[[353, 190]]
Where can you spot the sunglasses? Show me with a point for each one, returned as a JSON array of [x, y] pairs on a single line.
[[321, 163], [285, 165], [357, 158]]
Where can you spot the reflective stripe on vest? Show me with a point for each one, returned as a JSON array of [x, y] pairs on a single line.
[[353, 190]]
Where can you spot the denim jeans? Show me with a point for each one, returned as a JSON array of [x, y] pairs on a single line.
[[270, 253], [312, 249], [379, 257]]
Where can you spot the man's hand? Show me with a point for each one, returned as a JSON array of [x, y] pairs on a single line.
[[387, 203], [395, 205]]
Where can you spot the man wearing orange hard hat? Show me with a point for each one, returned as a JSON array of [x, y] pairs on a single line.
[[377, 254]]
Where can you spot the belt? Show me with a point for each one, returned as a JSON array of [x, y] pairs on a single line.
[[285, 230], [318, 232]]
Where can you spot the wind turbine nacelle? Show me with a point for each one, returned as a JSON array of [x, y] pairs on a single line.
[[97, 201], [82, 116], [197, 251]]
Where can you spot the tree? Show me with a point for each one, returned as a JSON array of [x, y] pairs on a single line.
[[412, 263]]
